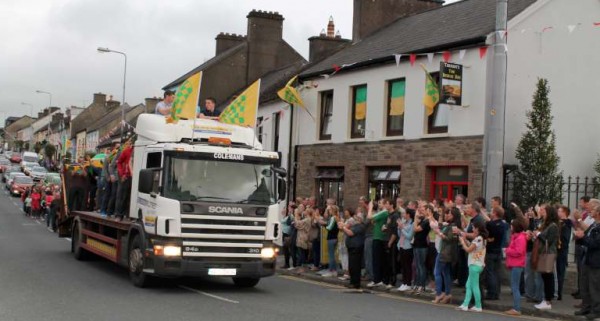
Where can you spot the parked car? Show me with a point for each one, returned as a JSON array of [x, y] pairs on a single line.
[[4, 164], [38, 173], [27, 166], [20, 184], [15, 158], [52, 179], [13, 169], [11, 177]]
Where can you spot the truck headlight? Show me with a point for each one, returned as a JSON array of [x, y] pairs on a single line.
[[168, 250], [267, 253]]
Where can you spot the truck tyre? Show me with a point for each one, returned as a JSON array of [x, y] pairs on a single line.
[[245, 282], [136, 264], [79, 253]]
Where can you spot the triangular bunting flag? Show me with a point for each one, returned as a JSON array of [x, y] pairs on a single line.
[[523, 30], [336, 68], [413, 58], [430, 57], [547, 29], [461, 54], [482, 52], [502, 34], [398, 57], [596, 24], [446, 55], [571, 28]]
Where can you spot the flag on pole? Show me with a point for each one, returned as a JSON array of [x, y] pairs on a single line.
[[186, 99], [432, 93], [397, 91], [289, 94], [242, 111], [360, 102]]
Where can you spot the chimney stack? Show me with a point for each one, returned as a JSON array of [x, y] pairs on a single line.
[[99, 98], [265, 35], [326, 44], [226, 41], [112, 104], [151, 104], [372, 15]]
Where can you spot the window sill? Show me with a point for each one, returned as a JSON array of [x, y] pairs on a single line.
[[440, 135], [392, 138], [329, 141], [356, 140]]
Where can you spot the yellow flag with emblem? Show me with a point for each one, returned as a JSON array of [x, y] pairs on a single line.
[[242, 111], [186, 99], [289, 94], [432, 93]]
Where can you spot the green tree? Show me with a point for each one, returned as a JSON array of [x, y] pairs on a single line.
[[537, 179], [49, 151], [37, 147]]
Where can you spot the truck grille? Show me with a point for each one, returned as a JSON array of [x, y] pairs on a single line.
[[222, 236]]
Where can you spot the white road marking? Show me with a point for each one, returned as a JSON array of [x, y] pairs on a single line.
[[28, 224], [209, 295], [68, 239]]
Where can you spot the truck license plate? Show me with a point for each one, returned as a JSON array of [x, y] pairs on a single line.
[[222, 272]]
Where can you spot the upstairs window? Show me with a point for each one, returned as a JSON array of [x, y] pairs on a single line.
[[359, 111], [395, 107], [437, 122], [326, 113]]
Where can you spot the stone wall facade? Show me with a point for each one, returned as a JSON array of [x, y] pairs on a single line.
[[415, 158]]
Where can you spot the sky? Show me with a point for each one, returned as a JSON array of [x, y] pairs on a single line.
[[50, 45]]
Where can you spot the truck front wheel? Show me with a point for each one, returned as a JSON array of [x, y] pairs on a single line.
[[245, 282], [136, 264]]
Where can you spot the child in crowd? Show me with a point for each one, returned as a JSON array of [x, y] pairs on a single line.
[[476, 262]]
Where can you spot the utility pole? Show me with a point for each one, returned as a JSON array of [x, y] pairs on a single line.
[[496, 112]]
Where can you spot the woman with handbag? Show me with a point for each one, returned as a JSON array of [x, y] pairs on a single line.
[[547, 244]]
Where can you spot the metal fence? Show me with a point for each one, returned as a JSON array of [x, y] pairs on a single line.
[[573, 188]]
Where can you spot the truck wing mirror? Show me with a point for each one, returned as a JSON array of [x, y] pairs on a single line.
[[281, 172], [146, 181], [281, 189]]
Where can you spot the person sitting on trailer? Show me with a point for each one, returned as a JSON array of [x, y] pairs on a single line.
[[210, 109]]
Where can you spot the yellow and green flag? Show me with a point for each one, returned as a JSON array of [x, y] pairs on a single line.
[[186, 99], [432, 93], [398, 92], [360, 101], [242, 111], [289, 94]]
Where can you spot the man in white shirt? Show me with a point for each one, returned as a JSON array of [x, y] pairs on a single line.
[[164, 107]]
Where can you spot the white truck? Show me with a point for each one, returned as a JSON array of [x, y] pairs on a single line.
[[204, 202]]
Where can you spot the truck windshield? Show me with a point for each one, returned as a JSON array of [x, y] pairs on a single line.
[[218, 181]]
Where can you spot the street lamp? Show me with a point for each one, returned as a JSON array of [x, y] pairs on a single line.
[[30, 105], [105, 50], [49, 106]]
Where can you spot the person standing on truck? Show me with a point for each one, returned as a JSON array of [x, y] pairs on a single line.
[[114, 181], [164, 107], [76, 198], [209, 111], [123, 192]]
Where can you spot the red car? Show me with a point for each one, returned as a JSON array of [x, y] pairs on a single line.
[[15, 158], [20, 184], [4, 164]]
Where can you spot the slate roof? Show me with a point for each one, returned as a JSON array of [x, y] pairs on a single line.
[[107, 118], [461, 24], [211, 62]]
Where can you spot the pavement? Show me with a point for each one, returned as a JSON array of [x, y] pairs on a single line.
[[40, 280], [561, 310]]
